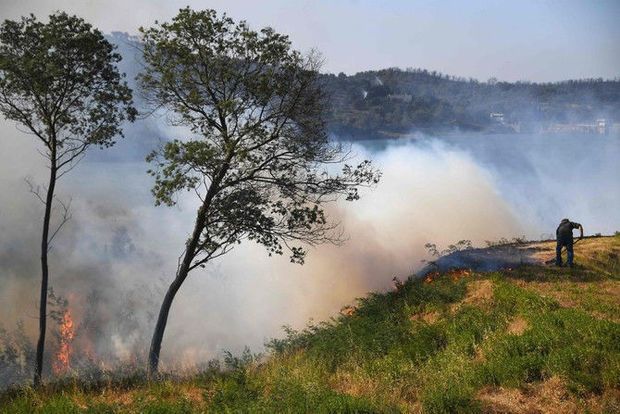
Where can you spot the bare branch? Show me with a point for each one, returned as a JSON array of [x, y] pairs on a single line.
[[35, 190], [64, 219]]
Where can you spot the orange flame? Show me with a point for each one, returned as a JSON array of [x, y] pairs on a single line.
[[67, 333]]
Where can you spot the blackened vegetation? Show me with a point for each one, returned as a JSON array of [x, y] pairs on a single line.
[[17, 356]]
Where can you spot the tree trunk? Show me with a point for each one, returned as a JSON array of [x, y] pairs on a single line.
[[44, 272], [182, 272], [162, 320], [191, 250]]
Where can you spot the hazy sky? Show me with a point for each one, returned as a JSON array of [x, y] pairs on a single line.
[[518, 40]]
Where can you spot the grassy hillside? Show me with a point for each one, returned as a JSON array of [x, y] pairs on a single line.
[[533, 339]]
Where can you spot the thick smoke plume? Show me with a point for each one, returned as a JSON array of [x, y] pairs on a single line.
[[118, 253]]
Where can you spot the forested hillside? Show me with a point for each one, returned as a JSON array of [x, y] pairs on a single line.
[[390, 102]]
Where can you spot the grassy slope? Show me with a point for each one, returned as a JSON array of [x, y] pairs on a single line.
[[534, 339]]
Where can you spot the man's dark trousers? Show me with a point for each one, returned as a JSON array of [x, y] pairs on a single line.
[[569, 251]]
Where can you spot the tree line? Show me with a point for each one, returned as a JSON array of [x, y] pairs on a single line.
[[256, 159], [378, 104]]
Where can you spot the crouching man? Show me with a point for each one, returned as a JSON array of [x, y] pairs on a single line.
[[564, 236]]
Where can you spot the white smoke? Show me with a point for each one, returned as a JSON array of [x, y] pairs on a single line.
[[119, 252], [430, 194]]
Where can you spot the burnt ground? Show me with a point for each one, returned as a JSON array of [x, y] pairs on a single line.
[[506, 256]]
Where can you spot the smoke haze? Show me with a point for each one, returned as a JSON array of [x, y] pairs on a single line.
[[115, 258], [117, 255]]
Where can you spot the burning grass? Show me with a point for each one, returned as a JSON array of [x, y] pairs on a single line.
[[67, 334], [536, 338]]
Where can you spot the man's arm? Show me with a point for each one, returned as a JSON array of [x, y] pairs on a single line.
[[580, 227]]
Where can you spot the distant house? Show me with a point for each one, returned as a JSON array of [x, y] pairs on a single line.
[[602, 127], [599, 127], [497, 117]]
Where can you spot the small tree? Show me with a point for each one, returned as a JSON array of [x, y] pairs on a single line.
[[60, 82], [255, 159]]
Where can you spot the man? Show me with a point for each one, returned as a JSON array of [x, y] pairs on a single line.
[[564, 236]]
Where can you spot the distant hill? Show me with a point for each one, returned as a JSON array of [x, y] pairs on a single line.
[[389, 102]]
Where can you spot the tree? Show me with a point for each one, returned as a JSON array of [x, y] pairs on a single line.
[[60, 82], [258, 146]]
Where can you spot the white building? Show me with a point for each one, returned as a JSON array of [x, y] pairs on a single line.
[[497, 117]]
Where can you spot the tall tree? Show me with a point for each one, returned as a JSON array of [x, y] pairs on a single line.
[[256, 158], [59, 80]]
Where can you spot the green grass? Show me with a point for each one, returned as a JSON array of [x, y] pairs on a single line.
[[431, 346]]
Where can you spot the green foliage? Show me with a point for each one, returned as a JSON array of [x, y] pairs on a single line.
[[59, 80], [289, 397], [57, 404], [380, 323], [566, 342], [385, 357], [257, 154], [450, 397], [389, 102], [241, 390], [441, 357], [259, 145], [165, 407]]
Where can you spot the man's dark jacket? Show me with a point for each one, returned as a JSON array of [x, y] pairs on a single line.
[[564, 233]]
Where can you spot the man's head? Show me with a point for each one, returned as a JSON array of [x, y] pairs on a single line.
[[565, 220]]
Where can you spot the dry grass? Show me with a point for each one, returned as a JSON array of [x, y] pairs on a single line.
[[353, 383], [600, 299], [117, 396], [479, 293], [588, 247], [550, 396], [517, 326], [594, 286], [178, 391], [429, 317]]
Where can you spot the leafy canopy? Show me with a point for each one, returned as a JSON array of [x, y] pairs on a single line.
[[258, 146], [60, 81]]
